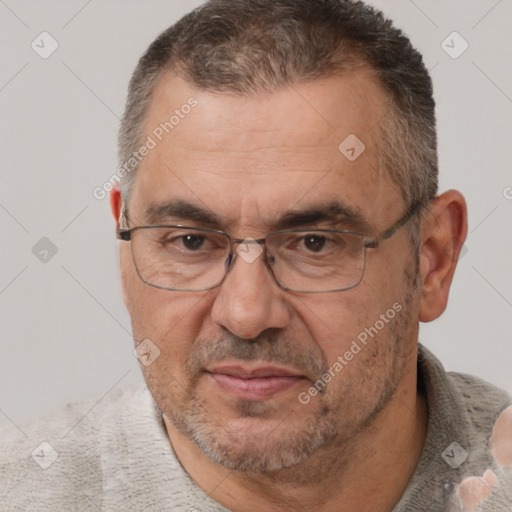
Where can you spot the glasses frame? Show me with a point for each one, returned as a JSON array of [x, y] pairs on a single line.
[[126, 235]]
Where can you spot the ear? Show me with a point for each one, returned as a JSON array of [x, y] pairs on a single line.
[[116, 204], [444, 230]]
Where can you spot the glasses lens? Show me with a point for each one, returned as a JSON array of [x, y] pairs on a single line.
[[317, 261], [180, 258], [195, 259]]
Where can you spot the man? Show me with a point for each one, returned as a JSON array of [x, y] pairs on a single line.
[[281, 239]]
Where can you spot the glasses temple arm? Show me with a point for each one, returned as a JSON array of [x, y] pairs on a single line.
[[413, 209]]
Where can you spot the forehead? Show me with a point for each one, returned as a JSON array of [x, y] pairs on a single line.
[[257, 155]]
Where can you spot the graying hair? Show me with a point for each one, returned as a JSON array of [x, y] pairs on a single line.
[[254, 46]]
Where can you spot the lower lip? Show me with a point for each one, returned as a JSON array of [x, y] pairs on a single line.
[[254, 389]]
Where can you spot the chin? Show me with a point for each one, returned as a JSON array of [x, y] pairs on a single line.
[[253, 443]]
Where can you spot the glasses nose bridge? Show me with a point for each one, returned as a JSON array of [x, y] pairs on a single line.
[[248, 240], [233, 242]]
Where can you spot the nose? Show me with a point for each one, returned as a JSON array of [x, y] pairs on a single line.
[[249, 300]]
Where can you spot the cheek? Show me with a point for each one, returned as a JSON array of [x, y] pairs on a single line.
[[171, 320], [144, 303], [164, 315], [337, 320]]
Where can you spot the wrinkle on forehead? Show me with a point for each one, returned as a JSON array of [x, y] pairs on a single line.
[[247, 157], [345, 104]]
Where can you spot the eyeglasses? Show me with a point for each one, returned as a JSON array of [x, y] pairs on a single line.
[[183, 258]]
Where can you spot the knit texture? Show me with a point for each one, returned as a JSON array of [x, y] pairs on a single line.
[[112, 453]]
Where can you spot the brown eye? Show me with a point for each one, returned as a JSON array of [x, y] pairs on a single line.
[[314, 243], [193, 242]]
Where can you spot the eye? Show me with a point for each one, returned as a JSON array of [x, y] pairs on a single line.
[[314, 243], [193, 242], [185, 241]]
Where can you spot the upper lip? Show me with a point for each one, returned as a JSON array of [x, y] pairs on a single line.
[[247, 372]]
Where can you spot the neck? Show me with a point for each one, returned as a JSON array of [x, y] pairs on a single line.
[[371, 472]]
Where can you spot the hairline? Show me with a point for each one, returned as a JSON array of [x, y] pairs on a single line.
[[362, 66]]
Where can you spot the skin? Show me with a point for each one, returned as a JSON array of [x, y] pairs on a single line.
[[249, 160], [501, 438], [473, 491]]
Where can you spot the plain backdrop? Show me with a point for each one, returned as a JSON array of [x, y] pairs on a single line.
[[65, 333]]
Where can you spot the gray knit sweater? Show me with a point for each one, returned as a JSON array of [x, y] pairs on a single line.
[[113, 454]]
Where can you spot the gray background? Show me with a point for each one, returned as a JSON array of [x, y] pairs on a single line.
[[65, 332]]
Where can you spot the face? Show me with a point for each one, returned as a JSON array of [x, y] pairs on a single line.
[[238, 363]]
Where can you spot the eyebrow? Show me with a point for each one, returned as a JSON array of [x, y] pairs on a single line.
[[181, 210], [334, 213]]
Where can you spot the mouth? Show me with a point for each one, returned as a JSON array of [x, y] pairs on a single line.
[[254, 382]]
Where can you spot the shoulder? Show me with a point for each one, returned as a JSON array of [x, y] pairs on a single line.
[[81, 418], [462, 442], [465, 402], [59, 455], [481, 401]]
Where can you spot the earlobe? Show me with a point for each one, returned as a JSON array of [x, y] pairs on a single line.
[[443, 233]]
